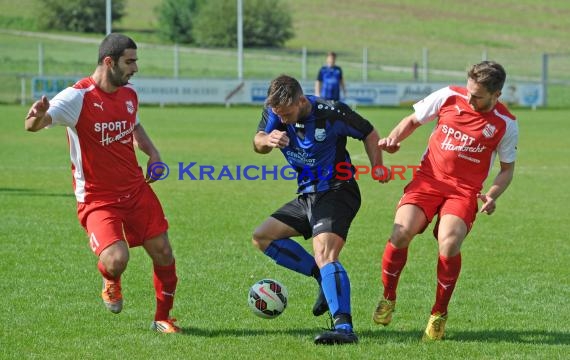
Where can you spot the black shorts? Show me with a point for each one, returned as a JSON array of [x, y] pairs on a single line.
[[329, 211]]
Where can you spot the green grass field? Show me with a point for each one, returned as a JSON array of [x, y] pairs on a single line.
[[511, 301]]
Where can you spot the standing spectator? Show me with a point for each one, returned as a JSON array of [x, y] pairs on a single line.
[[330, 80]]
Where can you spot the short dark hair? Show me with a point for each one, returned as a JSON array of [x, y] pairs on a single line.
[[284, 90], [114, 45], [489, 74], [331, 53]]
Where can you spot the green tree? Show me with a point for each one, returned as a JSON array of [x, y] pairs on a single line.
[[79, 15], [176, 19], [266, 23]]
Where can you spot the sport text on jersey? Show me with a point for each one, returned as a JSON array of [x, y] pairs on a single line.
[[466, 142], [108, 128]]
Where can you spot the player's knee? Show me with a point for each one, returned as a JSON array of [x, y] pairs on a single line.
[[449, 247], [325, 256], [401, 237], [164, 255], [115, 264], [260, 240]]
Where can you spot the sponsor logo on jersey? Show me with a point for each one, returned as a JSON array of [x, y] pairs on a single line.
[[466, 142], [121, 129], [458, 110], [489, 131], [130, 106], [100, 106], [320, 134], [469, 158], [300, 156]]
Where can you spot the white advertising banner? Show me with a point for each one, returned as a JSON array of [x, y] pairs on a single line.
[[204, 91]]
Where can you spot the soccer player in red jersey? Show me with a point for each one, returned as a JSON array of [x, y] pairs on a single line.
[[115, 203], [472, 127]]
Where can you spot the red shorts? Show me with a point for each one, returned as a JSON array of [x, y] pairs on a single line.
[[436, 197], [135, 219]]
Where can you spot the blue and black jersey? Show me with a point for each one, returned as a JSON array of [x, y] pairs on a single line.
[[330, 78], [318, 143]]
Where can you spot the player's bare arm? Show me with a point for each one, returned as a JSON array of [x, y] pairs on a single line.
[[499, 186], [37, 117], [375, 156], [143, 142], [263, 142], [405, 128]]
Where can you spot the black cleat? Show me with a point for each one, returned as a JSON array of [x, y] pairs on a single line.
[[321, 306], [336, 337]]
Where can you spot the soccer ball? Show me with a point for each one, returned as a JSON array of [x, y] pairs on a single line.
[[267, 298]]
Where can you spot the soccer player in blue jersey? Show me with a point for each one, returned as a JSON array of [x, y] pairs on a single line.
[[311, 133], [329, 80]]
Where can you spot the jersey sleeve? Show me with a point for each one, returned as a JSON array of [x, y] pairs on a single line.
[[65, 107], [428, 108], [269, 121], [351, 123], [507, 148]]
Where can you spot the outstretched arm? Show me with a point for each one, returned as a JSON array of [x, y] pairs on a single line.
[[143, 142], [374, 153], [37, 117], [263, 142], [499, 186], [404, 129]]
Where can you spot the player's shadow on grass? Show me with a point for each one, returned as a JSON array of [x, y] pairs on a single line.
[[536, 337], [31, 192], [493, 336], [195, 331]]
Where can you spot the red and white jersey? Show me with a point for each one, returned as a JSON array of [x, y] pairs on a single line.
[[464, 142], [100, 129]]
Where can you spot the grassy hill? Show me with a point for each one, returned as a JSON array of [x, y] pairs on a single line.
[[394, 33], [518, 25]]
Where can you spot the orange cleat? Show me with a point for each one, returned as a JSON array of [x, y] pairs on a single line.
[[165, 326], [112, 296]]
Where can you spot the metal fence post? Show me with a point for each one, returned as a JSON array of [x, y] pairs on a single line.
[[304, 64], [365, 64], [425, 54], [544, 78]]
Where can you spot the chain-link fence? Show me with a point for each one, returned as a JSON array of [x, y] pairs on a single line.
[[23, 57]]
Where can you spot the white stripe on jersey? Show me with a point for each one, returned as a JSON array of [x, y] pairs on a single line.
[[66, 106], [75, 155], [507, 147], [428, 108], [65, 109]]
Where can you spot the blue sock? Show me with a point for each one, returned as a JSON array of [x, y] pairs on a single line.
[[292, 255], [336, 286]]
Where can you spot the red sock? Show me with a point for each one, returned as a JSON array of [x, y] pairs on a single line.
[[393, 261], [104, 272], [165, 285], [448, 269]]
